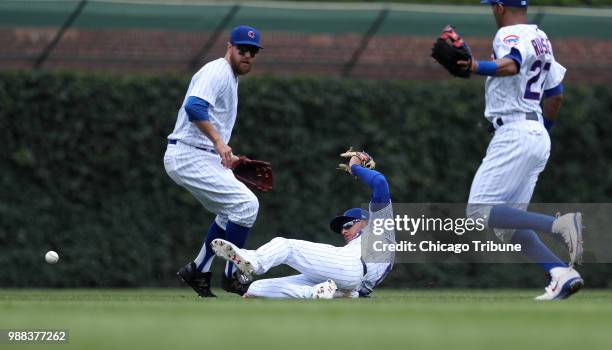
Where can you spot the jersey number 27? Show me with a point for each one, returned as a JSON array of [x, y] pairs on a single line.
[[533, 92]]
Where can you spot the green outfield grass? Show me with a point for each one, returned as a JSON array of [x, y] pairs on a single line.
[[393, 319]]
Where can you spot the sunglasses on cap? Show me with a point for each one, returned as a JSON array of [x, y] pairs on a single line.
[[350, 224], [243, 49]]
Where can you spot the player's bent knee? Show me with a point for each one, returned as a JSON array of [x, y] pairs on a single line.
[[252, 208], [254, 204], [504, 234], [279, 241], [245, 212], [251, 205], [479, 212]]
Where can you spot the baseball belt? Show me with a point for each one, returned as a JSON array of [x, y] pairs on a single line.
[[499, 121], [174, 142]]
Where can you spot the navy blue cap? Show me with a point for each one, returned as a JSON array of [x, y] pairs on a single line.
[[507, 3], [352, 214], [245, 35]]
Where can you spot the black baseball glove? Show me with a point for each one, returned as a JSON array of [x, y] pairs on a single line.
[[450, 48]]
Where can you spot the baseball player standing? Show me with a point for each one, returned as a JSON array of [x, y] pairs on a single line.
[[326, 271], [199, 158], [523, 71]]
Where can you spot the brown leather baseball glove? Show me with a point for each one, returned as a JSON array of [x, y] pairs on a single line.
[[256, 174], [366, 160]]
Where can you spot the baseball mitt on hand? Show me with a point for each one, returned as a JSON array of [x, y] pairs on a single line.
[[450, 48], [256, 174], [366, 160]]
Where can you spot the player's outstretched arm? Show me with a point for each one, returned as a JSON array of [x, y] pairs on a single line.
[[373, 179], [361, 165]]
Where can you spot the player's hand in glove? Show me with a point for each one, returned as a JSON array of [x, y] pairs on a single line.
[[256, 174], [453, 53], [361, 158]]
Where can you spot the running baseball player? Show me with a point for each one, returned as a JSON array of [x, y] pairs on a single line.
[[199, 158], [326, 271], [523, 71]]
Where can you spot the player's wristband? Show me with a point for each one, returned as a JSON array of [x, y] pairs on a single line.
[[486, 68]]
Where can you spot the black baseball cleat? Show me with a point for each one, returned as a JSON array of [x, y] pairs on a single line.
[[199, 281], [239, 283]]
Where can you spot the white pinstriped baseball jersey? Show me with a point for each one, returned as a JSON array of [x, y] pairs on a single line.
[[216, 84], [509, 172], [519, 151], [521, 93], [378, 263], [319, 262], [200, 171]]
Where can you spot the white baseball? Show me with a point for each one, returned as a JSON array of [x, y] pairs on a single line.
[[51, 257]]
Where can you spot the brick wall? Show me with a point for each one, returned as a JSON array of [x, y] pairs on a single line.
[[386, 57]]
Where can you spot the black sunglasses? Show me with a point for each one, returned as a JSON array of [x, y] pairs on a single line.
[[243, 49], [350, 224]]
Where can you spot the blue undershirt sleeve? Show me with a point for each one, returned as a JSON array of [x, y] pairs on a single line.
[[557, 90], [196, 108], [515, 55], [376, 181]]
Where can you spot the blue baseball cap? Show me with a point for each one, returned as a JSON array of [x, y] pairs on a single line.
[[352, 214], [507, 3], [245, 35]]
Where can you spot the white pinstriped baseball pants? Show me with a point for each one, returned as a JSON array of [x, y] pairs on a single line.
[[213, 185], [316, 262], [509, 172]]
